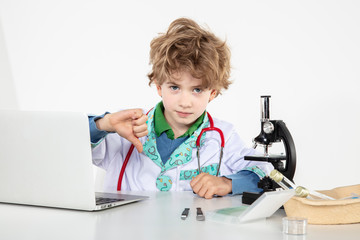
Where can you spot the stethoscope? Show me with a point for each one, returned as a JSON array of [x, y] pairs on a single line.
[[211, 128]]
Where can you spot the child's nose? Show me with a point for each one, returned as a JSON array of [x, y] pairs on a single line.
[[185, 100]]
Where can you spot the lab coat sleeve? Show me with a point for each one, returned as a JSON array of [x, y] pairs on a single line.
[[102, 143], [245, 174], [108, 148], [96, 135], [111, 148], [244, 181]]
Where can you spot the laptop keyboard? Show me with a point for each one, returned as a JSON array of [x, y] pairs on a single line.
[[102, 200]]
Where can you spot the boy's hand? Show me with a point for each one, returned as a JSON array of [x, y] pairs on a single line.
[[206, 185], [130, 124]]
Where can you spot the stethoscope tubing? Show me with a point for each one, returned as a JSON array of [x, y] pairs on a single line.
[[131, 149]]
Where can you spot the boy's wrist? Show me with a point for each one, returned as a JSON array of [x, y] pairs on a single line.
[[103, 124], [228, 182]]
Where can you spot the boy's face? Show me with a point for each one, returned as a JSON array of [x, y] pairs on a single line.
[[184, 99]]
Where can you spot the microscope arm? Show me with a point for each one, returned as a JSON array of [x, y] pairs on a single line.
[[285, 136]]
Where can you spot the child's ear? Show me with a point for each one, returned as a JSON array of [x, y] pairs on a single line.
[[212, 95], [158, 88]]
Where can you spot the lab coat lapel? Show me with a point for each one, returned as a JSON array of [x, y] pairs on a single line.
[[181, 155], [149, 147]]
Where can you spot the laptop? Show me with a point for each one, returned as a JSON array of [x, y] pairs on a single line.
[[45, 160], [265, 206]]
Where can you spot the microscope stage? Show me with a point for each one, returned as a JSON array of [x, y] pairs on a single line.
[[269, 158]]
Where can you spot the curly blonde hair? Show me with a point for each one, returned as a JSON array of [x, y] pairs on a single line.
[[188, 47]]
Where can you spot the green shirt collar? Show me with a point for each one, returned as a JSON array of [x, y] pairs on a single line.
[[161, 125]]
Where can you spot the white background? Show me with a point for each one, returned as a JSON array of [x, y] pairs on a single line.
[[92, 56]]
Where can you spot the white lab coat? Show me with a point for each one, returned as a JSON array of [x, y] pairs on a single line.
[[141, 172]]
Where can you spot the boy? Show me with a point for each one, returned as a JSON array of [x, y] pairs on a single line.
[[190, 67]]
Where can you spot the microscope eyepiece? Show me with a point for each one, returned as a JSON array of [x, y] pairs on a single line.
[[265, 108]]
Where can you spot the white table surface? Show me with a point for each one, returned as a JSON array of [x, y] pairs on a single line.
[[155, 218]]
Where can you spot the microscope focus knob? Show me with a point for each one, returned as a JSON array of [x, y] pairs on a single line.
[[268, 127]]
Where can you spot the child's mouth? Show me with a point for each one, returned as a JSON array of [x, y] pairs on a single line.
[[183, 114]]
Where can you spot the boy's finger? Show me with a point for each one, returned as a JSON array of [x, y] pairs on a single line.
[[202, 192], [137, 113], [139, 129], [140, 120], [196, 183], [197, 179], [196, 188], [209, 194], [142, 134], [126, 114]]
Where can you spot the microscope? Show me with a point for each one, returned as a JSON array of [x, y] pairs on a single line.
[[272, 131]]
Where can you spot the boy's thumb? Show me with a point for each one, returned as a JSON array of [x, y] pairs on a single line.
[[137, 143]]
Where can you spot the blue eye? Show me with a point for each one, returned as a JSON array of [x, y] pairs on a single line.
[[197, 90], [174, 88]]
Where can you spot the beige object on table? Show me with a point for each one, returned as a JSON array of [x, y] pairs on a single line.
[[318, 211]]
